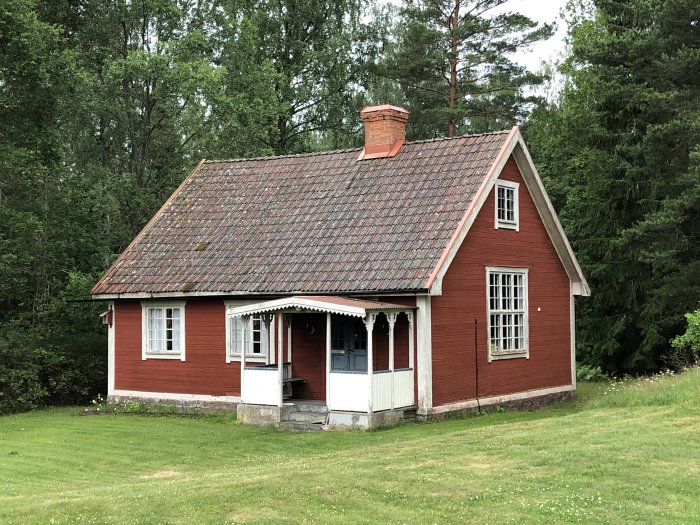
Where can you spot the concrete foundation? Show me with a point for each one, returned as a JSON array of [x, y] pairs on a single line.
[[262, 415], [362, 421]]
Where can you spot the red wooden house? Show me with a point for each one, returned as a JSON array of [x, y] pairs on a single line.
[[361, 285]]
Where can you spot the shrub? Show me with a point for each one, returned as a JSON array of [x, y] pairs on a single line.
[[586, 372], [35, 374], [686, 347]]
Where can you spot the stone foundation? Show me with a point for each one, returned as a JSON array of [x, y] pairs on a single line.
[[490, 404], [174, 402]]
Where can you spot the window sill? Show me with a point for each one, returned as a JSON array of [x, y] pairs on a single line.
[[507, 226], [163, 355], [248, 359], [520, 354]]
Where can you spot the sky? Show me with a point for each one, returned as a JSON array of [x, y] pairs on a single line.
[[540, 11]]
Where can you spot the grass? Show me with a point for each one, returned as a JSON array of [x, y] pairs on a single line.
[[620, 453]]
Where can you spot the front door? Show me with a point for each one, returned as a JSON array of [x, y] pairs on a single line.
[[349, 344]]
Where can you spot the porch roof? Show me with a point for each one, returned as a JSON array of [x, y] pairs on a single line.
[[320, 303]]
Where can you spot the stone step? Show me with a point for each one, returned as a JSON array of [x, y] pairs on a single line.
[[306, 417], [310, 406], [300, 426]]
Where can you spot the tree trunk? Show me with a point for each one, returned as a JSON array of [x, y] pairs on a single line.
[[454, 50]]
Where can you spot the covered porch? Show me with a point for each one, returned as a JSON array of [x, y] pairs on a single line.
[[355, 356]]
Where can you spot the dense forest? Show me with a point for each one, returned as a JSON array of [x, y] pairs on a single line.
[[105, 106]]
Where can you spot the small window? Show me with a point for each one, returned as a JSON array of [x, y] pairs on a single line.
[[507, 313], [163, 331], [507, 212], [257, 340]]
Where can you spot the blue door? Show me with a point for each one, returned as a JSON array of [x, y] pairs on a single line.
[[348, 344]]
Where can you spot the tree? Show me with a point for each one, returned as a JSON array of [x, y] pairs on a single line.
[[319, 50], [621, 151], [452, 61]]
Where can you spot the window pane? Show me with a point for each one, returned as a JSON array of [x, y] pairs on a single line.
[[236, 340]]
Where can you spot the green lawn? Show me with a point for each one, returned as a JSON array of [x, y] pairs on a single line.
[[618, 454]]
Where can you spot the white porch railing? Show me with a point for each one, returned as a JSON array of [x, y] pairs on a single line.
[[403, 388], [261, 385], [350, 390], [392, 390]]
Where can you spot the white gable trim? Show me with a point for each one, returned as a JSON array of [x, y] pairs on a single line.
[[516, 146]]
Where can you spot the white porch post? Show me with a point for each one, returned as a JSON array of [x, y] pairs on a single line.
[[244, 333], [289, 337], [280, 357], [280, 337], [369, 324], [271, 334], [391, 319], [411, 342], [328, 360]]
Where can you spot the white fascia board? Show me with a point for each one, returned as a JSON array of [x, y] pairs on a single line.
[[549, 218], [435, 284], [161, 295]]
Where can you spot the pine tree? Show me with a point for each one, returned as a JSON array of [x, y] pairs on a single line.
[[452, 60], [622, 154]]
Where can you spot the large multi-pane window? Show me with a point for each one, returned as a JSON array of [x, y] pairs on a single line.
[[257, 340], [507, 313], [163, 331], [507, 205]]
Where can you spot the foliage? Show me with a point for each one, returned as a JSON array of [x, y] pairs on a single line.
[[620, 152], [452, 61], [585, 461], [586, 372], [34, 373], [686, 346]]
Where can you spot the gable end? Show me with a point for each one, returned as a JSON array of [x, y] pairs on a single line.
[[514, 146]]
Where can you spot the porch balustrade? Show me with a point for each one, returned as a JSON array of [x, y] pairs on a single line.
[[352, 391], [261, 385]]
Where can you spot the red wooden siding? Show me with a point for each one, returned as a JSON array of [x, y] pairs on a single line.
[[309, 355], [464, 299], [205, 370]]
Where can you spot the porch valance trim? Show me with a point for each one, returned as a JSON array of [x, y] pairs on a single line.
[[327, 304]]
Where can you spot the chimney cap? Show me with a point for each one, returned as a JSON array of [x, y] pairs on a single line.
[[383, 107]]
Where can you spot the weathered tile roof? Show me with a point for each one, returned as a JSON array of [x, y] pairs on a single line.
[[313, 223]]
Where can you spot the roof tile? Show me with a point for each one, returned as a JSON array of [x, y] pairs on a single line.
[[312, 223]]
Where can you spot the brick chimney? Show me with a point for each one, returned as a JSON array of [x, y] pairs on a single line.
[[385, 128]]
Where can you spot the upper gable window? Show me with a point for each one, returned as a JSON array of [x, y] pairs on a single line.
[[163, 331], [506, 194]]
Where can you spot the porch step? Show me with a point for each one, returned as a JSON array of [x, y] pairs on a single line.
[[306, 417], [316, 407], [300, 426]]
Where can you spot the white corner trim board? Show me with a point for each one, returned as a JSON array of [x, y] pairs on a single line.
[[425, 354], [111, 348]]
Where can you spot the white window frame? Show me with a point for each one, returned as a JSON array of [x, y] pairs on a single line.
[[232, 355], [505, 224], [146, 351], [495, 353]]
